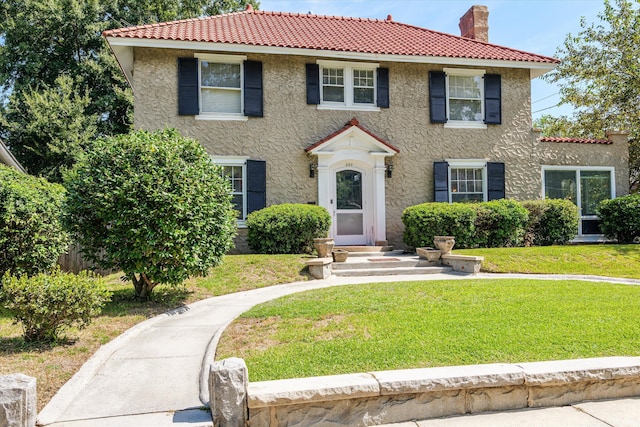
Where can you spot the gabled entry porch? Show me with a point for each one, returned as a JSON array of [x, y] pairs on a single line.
[[351, 183]]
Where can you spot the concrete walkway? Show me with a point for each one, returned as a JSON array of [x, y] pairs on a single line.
[[155, 374]]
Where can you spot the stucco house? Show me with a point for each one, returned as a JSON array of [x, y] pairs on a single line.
[[362, 116]]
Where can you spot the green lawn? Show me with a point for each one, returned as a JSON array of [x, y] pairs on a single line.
[[434, 323], [601, 260]]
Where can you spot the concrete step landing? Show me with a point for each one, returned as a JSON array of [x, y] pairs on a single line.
[[383, 261]]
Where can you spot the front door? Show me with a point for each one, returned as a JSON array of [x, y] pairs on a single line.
[[350, 219]]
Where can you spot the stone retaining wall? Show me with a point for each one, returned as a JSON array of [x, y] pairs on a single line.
[[375, 398]]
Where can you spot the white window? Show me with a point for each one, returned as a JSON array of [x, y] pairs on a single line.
[[467, 180], [465, 98], [584, 186], [348, 85], [221, 82], [234, 169]]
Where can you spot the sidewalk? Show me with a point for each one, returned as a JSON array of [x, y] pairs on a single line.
[[155, 374]]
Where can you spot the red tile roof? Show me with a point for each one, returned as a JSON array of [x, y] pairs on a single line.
[[561, 140], [353, 122], [327, 33]]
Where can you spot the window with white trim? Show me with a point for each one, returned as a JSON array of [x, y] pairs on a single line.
[[220, 84], [465, 97], [467, 181], [584, 186], [349, 85], [234, 169]]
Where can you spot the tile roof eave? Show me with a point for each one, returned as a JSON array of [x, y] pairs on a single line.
[[541, 67]]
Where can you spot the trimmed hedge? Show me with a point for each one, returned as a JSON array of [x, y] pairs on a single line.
[[551, 221], [287, 228], [423, 222], [621, 218], [499, 223], [46, 304], [32, 236]]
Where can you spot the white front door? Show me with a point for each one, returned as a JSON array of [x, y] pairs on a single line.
[[351, 213]]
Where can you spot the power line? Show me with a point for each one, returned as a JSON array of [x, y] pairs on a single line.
[[546, 97], [543, 109]]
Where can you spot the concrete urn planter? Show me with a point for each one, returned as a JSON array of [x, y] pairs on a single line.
[[444, 243], [339, 255], [430, 254], [323, 246]]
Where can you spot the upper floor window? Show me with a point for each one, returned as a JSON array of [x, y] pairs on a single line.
[[465, 98], [220, 84], [343, 85], [348, 84], [220, 87]]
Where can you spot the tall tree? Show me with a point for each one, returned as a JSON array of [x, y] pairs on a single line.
[[53, 126], [600, 76], [41, 40]]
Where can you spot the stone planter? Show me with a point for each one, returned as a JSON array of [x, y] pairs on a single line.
[[339, 255], [444, 243], [430, 254], [323, 246]]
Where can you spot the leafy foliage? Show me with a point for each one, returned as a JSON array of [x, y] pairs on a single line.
[[151, 204], [31, 231], [599, 75], [621, 218], [53, 127], [287, 228], [40, 41], [423, 222], [551, 221], [499, 224], [47, 303]]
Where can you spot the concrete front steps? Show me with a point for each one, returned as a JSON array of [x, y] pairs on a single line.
[[383, 261]]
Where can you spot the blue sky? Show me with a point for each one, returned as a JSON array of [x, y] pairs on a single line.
[[534, 26]]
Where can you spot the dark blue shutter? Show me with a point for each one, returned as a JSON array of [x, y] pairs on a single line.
[[256, 185], [437, 97], [495, 181], [313, 84], [383, 88], [492, 99], [441, 181], [253, 89], [188, 87]]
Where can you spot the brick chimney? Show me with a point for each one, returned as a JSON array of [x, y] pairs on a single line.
[[475, 24]]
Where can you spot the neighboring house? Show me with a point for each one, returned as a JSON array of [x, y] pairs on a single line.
[[7, 158], [364, 117]]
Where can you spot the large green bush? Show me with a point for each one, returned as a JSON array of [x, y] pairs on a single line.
[[45, 304], [287, 228], [621, 218], [551, 221], [499, 223], [31, 231], [423, 222], [151, 204]]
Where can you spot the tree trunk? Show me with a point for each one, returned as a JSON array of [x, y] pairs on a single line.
[[143, 286]]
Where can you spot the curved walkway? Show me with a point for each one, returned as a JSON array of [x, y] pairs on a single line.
[[155, 374]]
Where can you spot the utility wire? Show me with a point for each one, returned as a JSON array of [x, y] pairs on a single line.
[[548, 108], [546, 97]]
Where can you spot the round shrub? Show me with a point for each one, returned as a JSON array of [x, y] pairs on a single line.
[[620, 218], [287, 228], [32, 237], [151, 204], [45, 304], [423, 222], [500, 223], [551, 221]]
